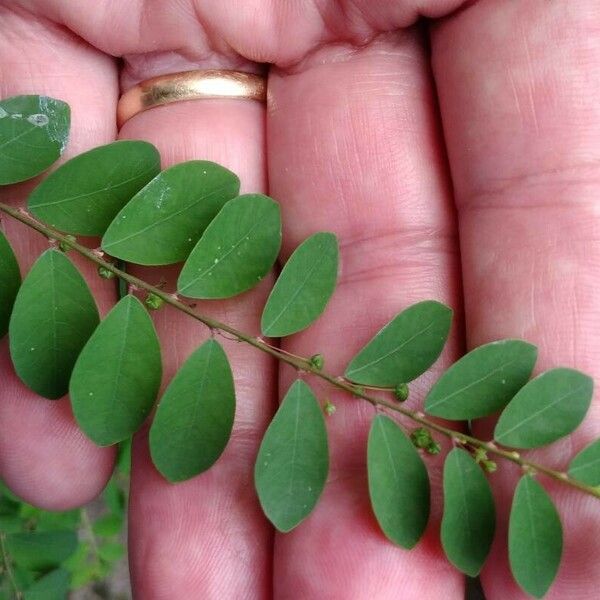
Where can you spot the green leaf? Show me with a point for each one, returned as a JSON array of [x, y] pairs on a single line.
[[585, 467], [469, 516], [483, 381], [53, 586], [39, 551], [549, 407], [293, 460], [236, 251], [534, 538], [51, 520], [194, 418], [85, 194], [303, 288], [33, 134], [53, 317], [108, 525], [111, 551], [10, 278], [398, 483], [117, 375], [405, 348], [163, 221]]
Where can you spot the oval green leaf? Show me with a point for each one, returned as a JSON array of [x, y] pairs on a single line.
[[398, 483], [303, 288], [117, 375], [483, 381], [194, 418], [41, 550], [293, 460], [549, 407], [10, 276], [85, 194], [53, 317], [405, 348], [469, 515], [33, 134], [53, 586], [236, 251], [534, 538], [585, 467], [164, 220]]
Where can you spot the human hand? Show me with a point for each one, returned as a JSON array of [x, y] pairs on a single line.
[[354, 145]]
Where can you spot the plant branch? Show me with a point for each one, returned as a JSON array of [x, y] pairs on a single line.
[[299, 363]]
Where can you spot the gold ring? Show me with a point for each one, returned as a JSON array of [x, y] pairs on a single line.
[[190, 85]]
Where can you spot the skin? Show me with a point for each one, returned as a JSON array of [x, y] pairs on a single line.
[[469, 175]]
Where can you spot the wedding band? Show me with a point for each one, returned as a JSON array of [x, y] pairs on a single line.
[[190, 85]]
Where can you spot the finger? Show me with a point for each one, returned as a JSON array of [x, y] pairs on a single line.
[[521, 119], [206, 538], [44, 456], [354, 148]]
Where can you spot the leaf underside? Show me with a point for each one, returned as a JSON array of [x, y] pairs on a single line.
[[162, 223], [195, 415], [293, 460], [33, 134], [398, 483], [549, 407], [236, 251], [483, 381], [469, 515], [10, 276], [53, 316], [303, 288], [112, 397], [85, 194], [405, 348], [534, 538]]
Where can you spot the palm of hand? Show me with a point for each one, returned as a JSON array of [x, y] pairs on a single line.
[[353, 145]]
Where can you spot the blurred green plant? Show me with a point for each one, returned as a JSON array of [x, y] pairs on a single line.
[[45, 554]]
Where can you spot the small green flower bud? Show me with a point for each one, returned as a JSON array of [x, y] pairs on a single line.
[[480, 455], [401, 392], [105, 273], [317, 361], [433, 448], [64, 245], [489, 466], [421, 438], [329, 408], [153, 302]]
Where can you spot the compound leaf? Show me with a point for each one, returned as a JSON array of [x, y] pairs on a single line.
[[162, 223], [194, 418], [303, 288], [84, 194], [117, 375], [405, 348], [398, 483], [293, 460], [534, 538], [10, 276], [52, 586], [41, 550], [236, 251], [53, 316], [549, 407], [585, 467], [469, 515], [483, 381], [33, 134]]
